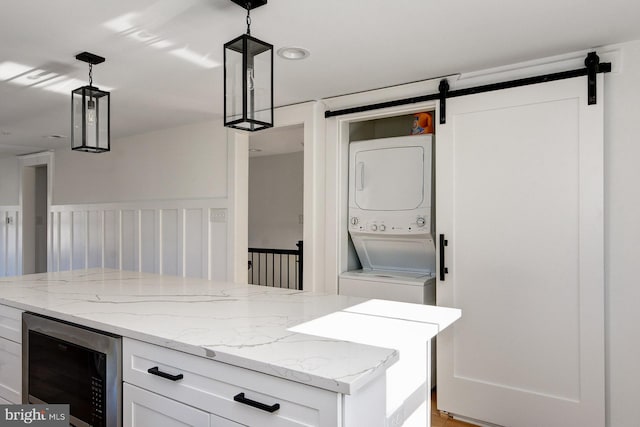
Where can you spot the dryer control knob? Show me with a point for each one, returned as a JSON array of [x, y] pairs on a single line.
[[420, 221], [374, 227], [354, 220], [382, 227]]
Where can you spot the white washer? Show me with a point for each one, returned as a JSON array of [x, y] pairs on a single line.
[[417, 288]]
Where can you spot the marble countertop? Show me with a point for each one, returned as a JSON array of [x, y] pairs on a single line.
[[243, 325]]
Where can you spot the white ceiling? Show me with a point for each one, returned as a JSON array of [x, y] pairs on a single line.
[[355, 45], [274, 141]]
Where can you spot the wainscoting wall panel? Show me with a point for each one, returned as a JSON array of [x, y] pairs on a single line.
[[195, 236], [112, 235], [148, 238], [78, 239], [64, 248], [9, 220], [129, 221], [171, 239], [94, 239], [168, 237]]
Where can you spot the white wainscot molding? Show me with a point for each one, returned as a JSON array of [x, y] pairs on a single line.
[[176, 237], [9, 222]]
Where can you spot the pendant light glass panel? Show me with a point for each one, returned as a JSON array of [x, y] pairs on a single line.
[[90, 117], [248, 86]]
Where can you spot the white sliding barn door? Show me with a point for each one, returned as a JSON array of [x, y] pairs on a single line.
[[520, 201]]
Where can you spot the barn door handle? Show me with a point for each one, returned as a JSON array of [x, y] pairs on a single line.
[[443, 270]]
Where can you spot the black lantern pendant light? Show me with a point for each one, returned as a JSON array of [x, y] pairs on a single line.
[[248, 78], [90, 115]]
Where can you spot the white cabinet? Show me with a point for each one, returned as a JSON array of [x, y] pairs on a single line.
[[209, 387], [10, 355], [145, 409]]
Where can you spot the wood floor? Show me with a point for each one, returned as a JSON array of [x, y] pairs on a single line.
[[438, 420]]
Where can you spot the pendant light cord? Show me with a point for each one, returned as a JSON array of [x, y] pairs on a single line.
[[90, 74], [249, 18]]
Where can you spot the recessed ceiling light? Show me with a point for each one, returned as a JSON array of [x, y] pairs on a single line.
[[254, 150], [293, 53], [55, 136]]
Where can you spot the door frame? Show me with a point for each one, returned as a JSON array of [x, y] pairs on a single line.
[[309, 114], [337, 176], [44, 158]]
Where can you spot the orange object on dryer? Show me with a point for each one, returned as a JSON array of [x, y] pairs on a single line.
[[422, 123]]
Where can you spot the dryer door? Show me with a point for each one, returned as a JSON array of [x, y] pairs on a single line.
[[389, 179]]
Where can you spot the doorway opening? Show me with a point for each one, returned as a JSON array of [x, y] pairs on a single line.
[[275, 207], [34, 233], [34, 219]]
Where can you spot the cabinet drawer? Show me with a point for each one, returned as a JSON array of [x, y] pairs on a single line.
[[212, 386], [10, 371], [142, 408], [10, 323]]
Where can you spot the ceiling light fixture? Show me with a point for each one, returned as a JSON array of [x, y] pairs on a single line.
[[293, 53], [90, 113], [248, 78]]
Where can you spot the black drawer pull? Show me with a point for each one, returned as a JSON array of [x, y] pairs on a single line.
[[240, 398], [156, 371]]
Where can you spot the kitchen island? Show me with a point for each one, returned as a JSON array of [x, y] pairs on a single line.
[[194, 323]]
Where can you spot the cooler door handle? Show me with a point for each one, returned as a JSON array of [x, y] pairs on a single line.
[[443, 270]]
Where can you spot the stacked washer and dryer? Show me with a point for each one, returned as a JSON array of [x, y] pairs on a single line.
[[390, 220]]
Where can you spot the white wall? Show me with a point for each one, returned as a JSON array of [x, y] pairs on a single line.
[[276, 191], [8, 181], [622, 239], [147, 205], [186, 162]]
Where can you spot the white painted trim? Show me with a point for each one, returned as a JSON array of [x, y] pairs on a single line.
[[337, 173], [238, 211], [217, 202], [311, 116]]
